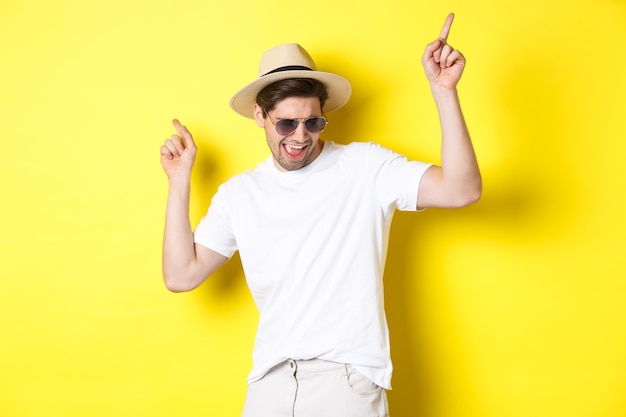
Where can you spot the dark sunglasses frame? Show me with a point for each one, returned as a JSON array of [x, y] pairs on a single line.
[[286, 127]]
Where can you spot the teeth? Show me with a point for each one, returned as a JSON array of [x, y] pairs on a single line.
[[296, 147]]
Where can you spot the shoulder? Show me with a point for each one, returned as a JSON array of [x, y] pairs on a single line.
[[372, 153], [362, 149], [241, 183], [252, 174], [359, 156]]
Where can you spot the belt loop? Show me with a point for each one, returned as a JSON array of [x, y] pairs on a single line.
[[345, 367], [293, 366]]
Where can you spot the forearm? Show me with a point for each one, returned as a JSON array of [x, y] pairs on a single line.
[[179, 255], [460, 174]]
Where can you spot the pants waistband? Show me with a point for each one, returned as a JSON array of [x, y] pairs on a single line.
[[311, 365]]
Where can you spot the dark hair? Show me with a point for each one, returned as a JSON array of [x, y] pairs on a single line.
[[291, 87]]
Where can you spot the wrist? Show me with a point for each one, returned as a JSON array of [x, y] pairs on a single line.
[[443, 95], [179, 182], [443, 91]]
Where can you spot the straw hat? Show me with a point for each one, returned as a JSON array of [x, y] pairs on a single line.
[[290, 61]]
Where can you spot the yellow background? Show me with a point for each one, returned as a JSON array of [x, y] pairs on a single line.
[[514, 307]]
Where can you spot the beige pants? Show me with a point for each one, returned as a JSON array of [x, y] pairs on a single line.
[[314, 388]]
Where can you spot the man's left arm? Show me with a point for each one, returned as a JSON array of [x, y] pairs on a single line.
[[457, 182]]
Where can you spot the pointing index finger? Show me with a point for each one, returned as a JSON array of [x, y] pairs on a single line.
[[179, 127], [445, 30], [184, 134]]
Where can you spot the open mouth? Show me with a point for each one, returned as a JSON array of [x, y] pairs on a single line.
[[294, 152]]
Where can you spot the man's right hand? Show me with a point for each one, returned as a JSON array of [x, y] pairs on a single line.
[[178, 153]]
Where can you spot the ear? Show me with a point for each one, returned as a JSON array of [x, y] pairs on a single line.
[[258, 115]]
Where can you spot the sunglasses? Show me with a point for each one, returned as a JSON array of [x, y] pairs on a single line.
[[286, 127]]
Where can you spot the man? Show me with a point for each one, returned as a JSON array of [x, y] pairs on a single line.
[[311, 224]]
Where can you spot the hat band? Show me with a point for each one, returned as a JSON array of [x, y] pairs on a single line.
[[288, 68]]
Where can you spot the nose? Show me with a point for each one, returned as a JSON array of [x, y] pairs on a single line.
[[301, 132]]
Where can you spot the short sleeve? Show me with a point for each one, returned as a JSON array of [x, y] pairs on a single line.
[[396, 178], [215, 229]]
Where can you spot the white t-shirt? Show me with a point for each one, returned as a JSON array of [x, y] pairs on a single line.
[[313, 244]]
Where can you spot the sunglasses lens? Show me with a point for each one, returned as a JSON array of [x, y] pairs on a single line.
[[315, 124], [286, 126]]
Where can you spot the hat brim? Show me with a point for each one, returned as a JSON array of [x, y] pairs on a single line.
[[339, 90]]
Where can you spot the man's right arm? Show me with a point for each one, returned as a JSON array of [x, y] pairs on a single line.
[[185, 264]]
